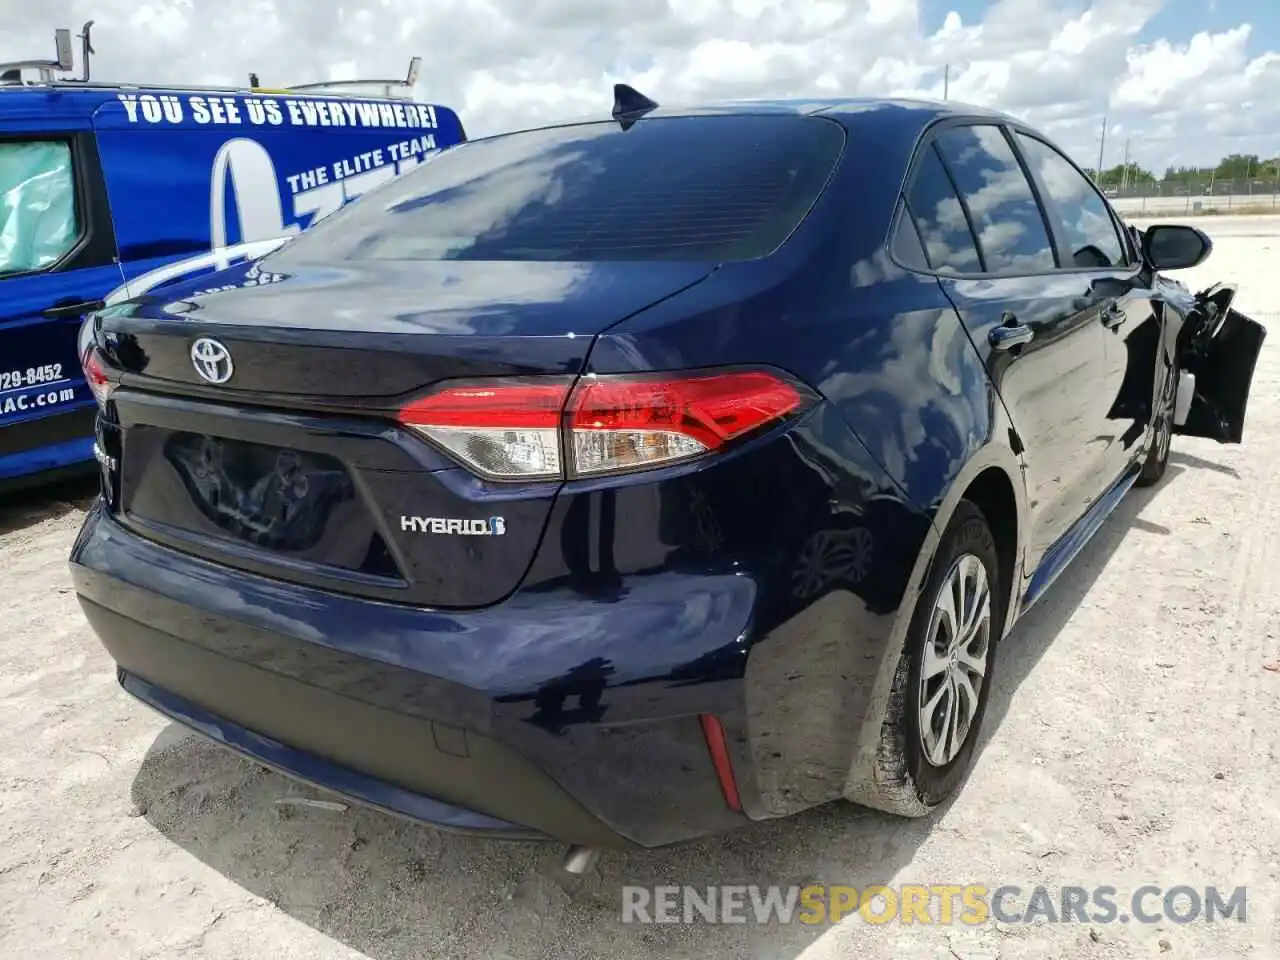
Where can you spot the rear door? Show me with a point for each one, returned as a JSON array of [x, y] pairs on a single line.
[[1092, 246], [1036, 327], [56, 255]]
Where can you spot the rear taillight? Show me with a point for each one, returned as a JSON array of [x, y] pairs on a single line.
[[503, 430], [516, 429], [619, 423], [95, 374]]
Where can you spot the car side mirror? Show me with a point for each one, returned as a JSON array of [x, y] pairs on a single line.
[[1175, 246]]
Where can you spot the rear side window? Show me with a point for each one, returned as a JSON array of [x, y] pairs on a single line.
[[908, 248], [1006, 217], [1087, 226], [38, 223], [679, 188], [940, 219]]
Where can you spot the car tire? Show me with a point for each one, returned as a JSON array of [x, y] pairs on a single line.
[[928, 770], [1157, 459]]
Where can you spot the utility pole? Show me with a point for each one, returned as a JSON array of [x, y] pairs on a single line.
[[946, 81], [1102, 143], [1124, 168]]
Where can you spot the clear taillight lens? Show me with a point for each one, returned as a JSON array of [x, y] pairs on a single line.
[[503, 430], [516, 430]]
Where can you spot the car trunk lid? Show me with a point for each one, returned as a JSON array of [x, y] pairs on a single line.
[[295, 467]]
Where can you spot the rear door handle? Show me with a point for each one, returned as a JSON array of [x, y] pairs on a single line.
[[1112, 316], [60, 310], [1010, 334]]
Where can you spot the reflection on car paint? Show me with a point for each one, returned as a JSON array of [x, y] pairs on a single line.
[[285, 507]]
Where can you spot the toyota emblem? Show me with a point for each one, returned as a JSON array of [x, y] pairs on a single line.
[[212, 360]]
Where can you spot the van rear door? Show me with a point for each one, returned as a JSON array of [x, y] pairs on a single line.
[[56, 260], [195, 174]]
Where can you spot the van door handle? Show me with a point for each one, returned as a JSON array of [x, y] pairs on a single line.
[[1010, 334], [1113, 316], [60, 310]]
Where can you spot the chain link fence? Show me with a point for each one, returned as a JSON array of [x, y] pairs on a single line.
[[1210, 195]]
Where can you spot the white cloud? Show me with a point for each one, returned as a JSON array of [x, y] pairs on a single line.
[[507, 63]]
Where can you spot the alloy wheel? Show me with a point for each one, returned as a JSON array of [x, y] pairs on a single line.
[[954, 665]]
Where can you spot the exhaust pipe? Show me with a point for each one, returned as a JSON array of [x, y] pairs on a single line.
[[580, 860]]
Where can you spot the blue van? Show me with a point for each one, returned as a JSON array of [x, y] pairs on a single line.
[[109, 190]]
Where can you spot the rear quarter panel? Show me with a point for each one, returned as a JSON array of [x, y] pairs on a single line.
[[914, 418]]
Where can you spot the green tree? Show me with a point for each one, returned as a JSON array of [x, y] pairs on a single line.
[[1237, 166], [1125, 173], [1181, 174]]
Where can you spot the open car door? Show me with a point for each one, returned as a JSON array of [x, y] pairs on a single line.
[[1217, 361]]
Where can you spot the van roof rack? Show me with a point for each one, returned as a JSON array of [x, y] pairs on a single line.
[[11, 72], [11, 75], [387, 89]]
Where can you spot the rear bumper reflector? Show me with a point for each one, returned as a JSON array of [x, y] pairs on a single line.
[[718, 745]]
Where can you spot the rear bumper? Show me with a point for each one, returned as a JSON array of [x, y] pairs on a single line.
[[303, 766], [552, 715]]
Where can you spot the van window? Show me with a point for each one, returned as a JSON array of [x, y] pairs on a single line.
[[38, 223], [667, 188]]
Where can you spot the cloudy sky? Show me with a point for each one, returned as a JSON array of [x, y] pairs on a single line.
[[1182, 80]]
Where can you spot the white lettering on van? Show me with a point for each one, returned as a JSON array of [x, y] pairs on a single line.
[[221, 111], [150, 108], [350, 166], [172, 108], [414, 148], [270, 111], [244, 171], [321, 191]]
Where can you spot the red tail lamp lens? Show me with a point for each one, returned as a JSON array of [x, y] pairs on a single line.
[[511, 430], [95, 374]]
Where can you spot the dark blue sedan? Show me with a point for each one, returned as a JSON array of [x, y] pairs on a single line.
[[621, 482]]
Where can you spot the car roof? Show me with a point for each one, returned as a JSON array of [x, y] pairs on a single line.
[[898, 116], [837, 107]]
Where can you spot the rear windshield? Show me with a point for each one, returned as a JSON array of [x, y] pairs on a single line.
[[669, 188]]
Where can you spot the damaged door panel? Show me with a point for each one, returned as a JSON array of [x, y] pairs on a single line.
[[1217, 359]]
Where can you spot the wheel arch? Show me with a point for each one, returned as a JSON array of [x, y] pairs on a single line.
[[992, 480]]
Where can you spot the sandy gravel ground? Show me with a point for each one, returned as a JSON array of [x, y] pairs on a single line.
[[1132, 739]]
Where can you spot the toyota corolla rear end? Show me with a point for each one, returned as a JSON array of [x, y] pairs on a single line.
[[367, 518]]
